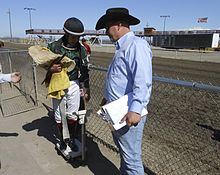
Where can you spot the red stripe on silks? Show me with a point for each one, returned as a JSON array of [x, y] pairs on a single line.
[[70, 121], [59, 125]]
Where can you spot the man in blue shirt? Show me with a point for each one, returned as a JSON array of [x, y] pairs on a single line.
[[130, 71]]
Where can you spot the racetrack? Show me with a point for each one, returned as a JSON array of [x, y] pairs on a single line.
[[205, 72]]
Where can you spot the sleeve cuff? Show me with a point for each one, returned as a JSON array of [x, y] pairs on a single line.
[[136, 107], [7, 77]]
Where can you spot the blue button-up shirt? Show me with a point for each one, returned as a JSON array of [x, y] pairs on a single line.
[[130, 71]]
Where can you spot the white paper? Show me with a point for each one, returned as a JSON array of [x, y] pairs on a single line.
[[113, 112]]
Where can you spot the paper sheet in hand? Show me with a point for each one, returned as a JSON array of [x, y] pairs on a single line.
[[117, 109]]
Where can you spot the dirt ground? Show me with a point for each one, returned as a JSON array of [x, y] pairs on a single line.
[[205, 72]]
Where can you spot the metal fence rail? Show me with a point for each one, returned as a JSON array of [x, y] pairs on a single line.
[[182, 134]]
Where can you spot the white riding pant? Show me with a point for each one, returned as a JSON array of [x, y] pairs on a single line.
[[71, 100]]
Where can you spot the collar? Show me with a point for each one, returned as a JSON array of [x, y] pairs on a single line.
[[123, 39]]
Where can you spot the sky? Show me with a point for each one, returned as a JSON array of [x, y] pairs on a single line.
[[51, 14]]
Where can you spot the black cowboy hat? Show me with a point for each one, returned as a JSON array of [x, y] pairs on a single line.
[[116, 14]]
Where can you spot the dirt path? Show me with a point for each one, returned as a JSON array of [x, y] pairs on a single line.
[[204, 72]]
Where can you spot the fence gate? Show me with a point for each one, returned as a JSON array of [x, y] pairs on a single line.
[[19, 97]]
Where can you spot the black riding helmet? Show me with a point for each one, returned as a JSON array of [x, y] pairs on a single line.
[[73, 26]]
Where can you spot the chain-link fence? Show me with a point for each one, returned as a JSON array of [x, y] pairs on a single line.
[[182, 134], [22, 96]]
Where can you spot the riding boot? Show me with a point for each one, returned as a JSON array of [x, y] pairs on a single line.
[[72, 125]]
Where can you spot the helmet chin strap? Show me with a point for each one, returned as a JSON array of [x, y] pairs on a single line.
[[67, 45], [70, 46]]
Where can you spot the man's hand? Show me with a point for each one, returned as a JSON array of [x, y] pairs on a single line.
[[131, 118], [15, 77], [55, 68]]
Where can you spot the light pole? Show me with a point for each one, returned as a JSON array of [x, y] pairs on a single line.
[[164, 21], [9, 15], [29, 10]]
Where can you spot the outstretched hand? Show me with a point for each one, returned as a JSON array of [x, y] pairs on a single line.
[[15, 77]]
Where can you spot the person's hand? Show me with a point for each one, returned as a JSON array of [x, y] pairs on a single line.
[[55, 68], [87, 94], [15, 77], [131, 118]]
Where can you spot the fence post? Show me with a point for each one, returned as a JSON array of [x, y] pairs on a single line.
[[9, 61], [35, 82], [1, 91], [176, 54]]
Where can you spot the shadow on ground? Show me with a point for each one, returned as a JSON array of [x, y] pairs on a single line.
[[4, 134], [216, 132], [95, 160]]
